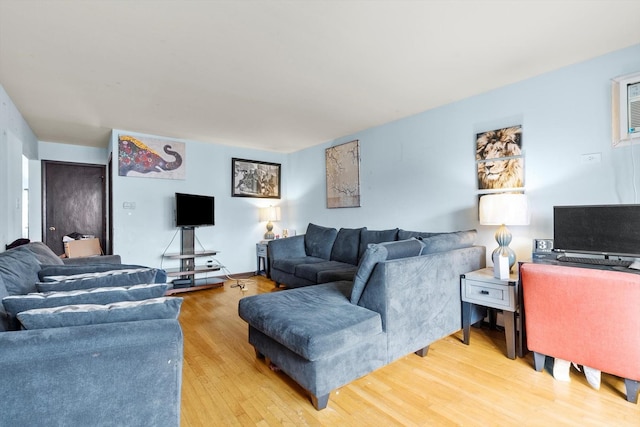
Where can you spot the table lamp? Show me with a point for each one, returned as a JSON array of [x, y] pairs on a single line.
[[504, 209], [272, 213]]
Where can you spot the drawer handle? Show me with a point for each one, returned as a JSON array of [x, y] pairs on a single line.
[[483, 292]]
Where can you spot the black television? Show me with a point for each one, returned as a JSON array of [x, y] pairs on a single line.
[[598, 229], [194, 210]]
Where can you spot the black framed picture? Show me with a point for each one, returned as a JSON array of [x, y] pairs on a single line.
[[251, 178]]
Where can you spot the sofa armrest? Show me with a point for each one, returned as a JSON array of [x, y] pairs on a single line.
[[291, 247], [102, 259], [130, 372]]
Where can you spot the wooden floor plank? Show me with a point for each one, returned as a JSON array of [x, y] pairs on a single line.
[[225, 384]]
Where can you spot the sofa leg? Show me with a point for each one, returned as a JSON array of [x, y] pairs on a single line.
[[538, 361], [258, 354], [632, 390], [423, 351], [320, 402], [277, 284]]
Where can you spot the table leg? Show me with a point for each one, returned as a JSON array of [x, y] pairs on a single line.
[[466, 321], [510, 332]]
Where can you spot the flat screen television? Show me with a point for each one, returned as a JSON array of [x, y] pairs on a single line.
[[602, 230], [194, 210]]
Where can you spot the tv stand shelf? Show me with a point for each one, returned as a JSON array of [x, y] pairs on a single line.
[[185, 276]]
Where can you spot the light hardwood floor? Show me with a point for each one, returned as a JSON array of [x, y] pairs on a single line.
[[475, 385]]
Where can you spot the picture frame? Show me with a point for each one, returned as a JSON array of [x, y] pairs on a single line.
[[253, 178], [343, 175], [500, 160]]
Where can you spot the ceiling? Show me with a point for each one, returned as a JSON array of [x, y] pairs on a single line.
[[280, 75]]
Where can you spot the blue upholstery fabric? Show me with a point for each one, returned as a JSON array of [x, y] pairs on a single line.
[[4, 316], [71, 269], [118, 374], [102, 280], [323, 323], [347, 245], [405, 234], [91, 314], [311, 271], [16, 303], [289, 265], [343, 273], [42, 252], [19, 270], [376, 236], [378, 253], [449, 241], [318, 241]]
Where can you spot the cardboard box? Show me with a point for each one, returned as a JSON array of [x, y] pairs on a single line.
[[82, 248]]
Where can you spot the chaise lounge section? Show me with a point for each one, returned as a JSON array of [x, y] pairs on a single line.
[[402, 299]]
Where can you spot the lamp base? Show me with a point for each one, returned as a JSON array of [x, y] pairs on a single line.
[[503, 238], [269, 235]]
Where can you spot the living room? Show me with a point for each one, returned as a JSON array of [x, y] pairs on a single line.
[[417, 172]]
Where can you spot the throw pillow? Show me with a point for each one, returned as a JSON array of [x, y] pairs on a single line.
[[318, 241], [43, 253], [17, 303], [376, 236], [449, 241], [373, 255], [405, 234], [103, 279], [19, 271], [346, 246], [90, 314]]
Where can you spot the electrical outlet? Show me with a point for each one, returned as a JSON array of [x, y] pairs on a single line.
[[590, 158]]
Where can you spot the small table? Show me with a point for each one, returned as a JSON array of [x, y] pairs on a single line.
[[262, 257], [481, 288]]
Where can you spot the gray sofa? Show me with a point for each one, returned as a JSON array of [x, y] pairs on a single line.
[[404, 296], [127, 371]]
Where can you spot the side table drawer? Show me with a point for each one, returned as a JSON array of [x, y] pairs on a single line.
[[489, 295], [261, 249]]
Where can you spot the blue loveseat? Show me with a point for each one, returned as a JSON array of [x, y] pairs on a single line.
[[404, 295], [72, 368]]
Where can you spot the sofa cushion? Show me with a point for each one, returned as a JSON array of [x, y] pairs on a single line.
[[4, 317], [311, 271], [324, 321], [288, 265], [90, 314], [376, 236], [42, 252], [15, 304], [405, 234], [381, 252], [347, 245], [342, 273], [449, 241], [72, 269], [19, 271], [103, 279], [318, 241]]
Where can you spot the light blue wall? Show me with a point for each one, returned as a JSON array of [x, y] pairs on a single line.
[[143, 234], [419, 172], [416, 173]]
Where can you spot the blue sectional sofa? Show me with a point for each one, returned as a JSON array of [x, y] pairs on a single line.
[[403, 296], [115, 361]]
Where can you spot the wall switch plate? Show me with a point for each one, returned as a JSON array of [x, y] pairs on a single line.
[[129, 205]]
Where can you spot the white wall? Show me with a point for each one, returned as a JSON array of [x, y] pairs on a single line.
[[143, 234], [418, 173]]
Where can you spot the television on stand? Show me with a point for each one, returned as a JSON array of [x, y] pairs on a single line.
[[599, 231], [193, 210]]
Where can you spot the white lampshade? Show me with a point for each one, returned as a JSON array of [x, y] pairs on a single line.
[[505, 208], [271, 213]]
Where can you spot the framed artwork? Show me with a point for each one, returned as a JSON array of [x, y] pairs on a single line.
[[499, 159], [251, 178], [151, 157], [343, 175]]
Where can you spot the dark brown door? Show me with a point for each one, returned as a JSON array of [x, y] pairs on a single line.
[[73, 202]]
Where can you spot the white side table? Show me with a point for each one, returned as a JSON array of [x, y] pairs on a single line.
[[481, 288]]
